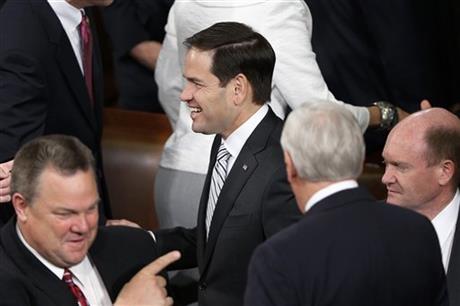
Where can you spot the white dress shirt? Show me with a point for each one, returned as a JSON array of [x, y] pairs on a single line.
[[70, 18], [329, 190], [236, 140], [444, 224], [85, 276]]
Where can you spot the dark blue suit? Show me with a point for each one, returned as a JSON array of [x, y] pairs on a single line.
[[255, 202], [350, 250]]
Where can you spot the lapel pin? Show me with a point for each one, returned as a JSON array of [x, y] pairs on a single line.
[[245, 167]]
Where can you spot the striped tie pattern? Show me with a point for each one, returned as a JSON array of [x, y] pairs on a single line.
[[219, 174], [77, 293]]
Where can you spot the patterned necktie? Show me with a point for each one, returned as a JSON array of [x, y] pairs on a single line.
[[67, 278], [219, 174], [87, 48]]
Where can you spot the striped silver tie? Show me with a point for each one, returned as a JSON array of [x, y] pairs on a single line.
[[219, 173]]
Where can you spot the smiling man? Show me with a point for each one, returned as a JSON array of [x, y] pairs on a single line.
[[53, 253], [246, 197], [422, 156]]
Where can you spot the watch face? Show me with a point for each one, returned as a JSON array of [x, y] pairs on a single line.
[[388, 114]]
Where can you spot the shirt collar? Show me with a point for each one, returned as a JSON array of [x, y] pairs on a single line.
[[445, 221], [69, 15], [329, 190], [236, 140], [78, 270]]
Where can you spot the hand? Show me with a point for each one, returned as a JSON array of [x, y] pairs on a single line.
[[146, 288], [146, 53], [401, 114], [121, 222], [5, 181], [425, 104]]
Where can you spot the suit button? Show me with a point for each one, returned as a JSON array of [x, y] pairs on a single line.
[[202, 286]]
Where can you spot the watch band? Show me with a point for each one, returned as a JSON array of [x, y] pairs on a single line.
[[388, 115]]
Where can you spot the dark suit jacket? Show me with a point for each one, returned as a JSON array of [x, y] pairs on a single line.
[[453, 270], [350, 250], [376, 50], [255, 202], [141, 21], [117, 252], [42, 89]]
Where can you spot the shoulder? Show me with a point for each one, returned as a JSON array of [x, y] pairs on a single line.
[[123, 240], [13, 284]]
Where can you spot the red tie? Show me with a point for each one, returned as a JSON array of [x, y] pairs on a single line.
[[87, 42], [67, 278]]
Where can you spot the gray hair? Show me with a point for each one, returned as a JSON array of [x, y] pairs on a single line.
[[65, 154], [324, 141]]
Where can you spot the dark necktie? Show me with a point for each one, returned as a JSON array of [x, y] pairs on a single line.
[[87, 44], [77, 293], [219, 174]]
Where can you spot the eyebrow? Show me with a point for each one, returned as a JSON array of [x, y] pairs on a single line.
[[192, 79], [65, 209]]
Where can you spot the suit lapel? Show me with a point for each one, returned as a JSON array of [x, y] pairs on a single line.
[[104, 264], [245, 164], [66, 58], [32, 269]]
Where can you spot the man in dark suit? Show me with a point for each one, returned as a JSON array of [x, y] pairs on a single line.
[[55, 197], [422, 157], [394, 51], [136, 30], [47, 84], [348, 249], [246, 198]]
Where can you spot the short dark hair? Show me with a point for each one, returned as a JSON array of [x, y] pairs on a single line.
[[443, 143], [238, 49], [65, 154]]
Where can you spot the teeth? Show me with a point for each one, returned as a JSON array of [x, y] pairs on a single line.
[[195, 109]]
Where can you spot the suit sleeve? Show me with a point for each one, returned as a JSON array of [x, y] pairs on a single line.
[[268, 284], [279, 205], [181, 239], [129, 22], [23, 101], [127, 34], [405, 33]]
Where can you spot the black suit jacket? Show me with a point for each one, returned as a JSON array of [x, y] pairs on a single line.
[[42, 88], [392, 50], [453, 270], [350, 250], [141, 21], [117, 252], [255, 202]]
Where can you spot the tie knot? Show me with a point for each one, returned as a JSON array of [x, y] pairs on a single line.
[[67, 277], [223, 153]]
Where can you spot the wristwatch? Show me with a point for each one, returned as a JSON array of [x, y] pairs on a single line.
[[388, 115]]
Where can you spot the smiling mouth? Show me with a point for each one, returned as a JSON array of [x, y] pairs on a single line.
[[195, 109]]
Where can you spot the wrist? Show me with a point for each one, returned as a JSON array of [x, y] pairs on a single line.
[[388, 115]]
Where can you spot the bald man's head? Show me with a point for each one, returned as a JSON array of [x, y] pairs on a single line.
[[422, 155]]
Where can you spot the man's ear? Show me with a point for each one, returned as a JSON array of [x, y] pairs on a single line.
[[290, 169], [20, 206], [446, 172], [240, 88]]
